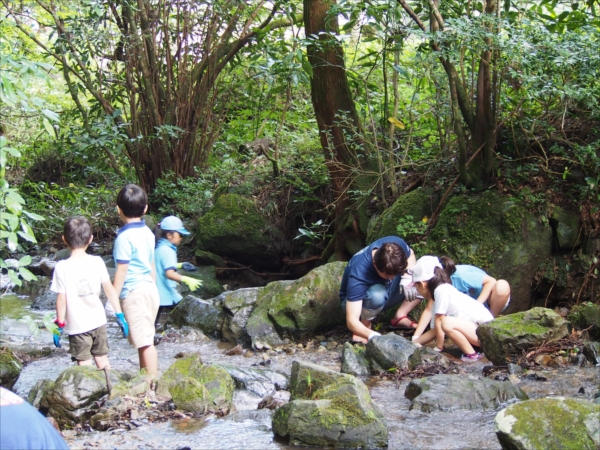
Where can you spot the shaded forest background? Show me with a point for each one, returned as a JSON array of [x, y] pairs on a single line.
[[314, 109]]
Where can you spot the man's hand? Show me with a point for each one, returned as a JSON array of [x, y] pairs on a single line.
[[188, 267], [192, 283], [410, 293], [123, 324]]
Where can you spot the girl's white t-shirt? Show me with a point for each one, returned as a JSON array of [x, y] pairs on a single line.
[[451, 302], [80, 279]]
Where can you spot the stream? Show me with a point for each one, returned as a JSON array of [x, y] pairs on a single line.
[[249, 427]]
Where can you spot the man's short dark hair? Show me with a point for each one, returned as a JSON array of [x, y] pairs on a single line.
[[132, 200], [390, 259], [77, 232]]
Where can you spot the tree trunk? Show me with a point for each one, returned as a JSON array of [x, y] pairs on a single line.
[[339, 125]]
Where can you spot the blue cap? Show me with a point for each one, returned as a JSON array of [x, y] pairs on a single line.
[[172, 223]]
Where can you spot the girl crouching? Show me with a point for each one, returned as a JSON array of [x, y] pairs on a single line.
[[454, 314]]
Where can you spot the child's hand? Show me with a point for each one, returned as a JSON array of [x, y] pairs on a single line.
[[192, 283], [188, 267], [123, 324], [57, 333]]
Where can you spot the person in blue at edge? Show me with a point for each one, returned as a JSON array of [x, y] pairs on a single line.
[[168, 234], [23, 427], [374, 281]]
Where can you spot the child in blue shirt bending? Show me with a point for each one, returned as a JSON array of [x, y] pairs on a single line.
[[169, 233]]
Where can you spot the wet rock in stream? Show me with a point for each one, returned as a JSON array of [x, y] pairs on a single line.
[[195, 312], [258, 381], [389, 351], [354, 361], [453, 392], [10, 368], [328, 408]]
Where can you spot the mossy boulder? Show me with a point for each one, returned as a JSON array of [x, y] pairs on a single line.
[[329, 409], [210, 286], [197, 313], [298, 308], [566, 226], [586, 316], [496, 233], [454, 392], [234, 228], [10, 368], [72, 398], [197, 387], [417, 204], [561, 423], [510, 335], [236, 306], [38, 390]]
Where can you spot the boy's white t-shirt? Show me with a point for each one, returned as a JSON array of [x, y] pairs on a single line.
[[80, 279], [451, 302]]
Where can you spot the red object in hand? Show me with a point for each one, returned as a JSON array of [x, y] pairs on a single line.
[[59, 324]]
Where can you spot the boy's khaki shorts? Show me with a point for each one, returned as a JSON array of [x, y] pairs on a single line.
[[84, 346], [140, 308]]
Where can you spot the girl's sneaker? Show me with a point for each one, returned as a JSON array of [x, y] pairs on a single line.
[[471, 358]]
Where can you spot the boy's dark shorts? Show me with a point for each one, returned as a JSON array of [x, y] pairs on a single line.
[[84, 346]]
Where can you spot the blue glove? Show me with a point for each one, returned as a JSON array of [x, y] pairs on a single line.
[[56, 337], [188, 267], [123, 324]]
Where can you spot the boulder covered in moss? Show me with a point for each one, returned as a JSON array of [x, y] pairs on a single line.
[[389, 351], [565, 423], [497, 233], [197, 313], [586, 317], [453, 392], [298, 308], [38, 390], [407, 211], [10, 368], [510, 335], [72, 398], [237, 306], [329, 409], [234, 228], [198, 387]]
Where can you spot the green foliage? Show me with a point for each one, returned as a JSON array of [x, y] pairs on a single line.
[[412, 230], [47, 323]]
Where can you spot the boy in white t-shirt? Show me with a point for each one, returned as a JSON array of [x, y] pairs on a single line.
[[77, 282]]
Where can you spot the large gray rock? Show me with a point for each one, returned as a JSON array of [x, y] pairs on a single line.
[[497, 233], [329, 409], [298, 308], [10, 368], [566, 227], [549, 423], [71, 400], [234, 228], [586, 317], [38, 390], [354, 361], [45, 301], [259, 381], [237, 306], [591, 350], [198, 387], [510, 335], [454, 392], [195, 312], [389, 351], [426, 355]]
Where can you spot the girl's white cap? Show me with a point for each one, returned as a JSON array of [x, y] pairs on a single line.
[[424, 269]]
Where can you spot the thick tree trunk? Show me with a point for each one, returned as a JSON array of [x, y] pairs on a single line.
[[339, 125]]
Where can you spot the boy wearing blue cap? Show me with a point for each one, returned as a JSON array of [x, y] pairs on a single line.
[[169, 234], [135, 275]]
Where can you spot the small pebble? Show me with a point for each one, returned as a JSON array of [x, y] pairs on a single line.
[[321, 349]]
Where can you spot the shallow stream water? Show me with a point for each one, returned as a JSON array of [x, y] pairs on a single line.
[[250, 428]]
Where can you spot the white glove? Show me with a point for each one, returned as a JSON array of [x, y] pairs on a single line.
[[415, 337], [410, 293], [435, 349], [373, 334]]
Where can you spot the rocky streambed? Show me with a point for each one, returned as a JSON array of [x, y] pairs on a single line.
[[413, 421]]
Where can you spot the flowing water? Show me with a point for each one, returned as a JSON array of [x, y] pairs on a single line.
[[250, 428]]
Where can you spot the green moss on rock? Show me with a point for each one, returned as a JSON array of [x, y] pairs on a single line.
[[10, 368], [586, 316], [565, 423]]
